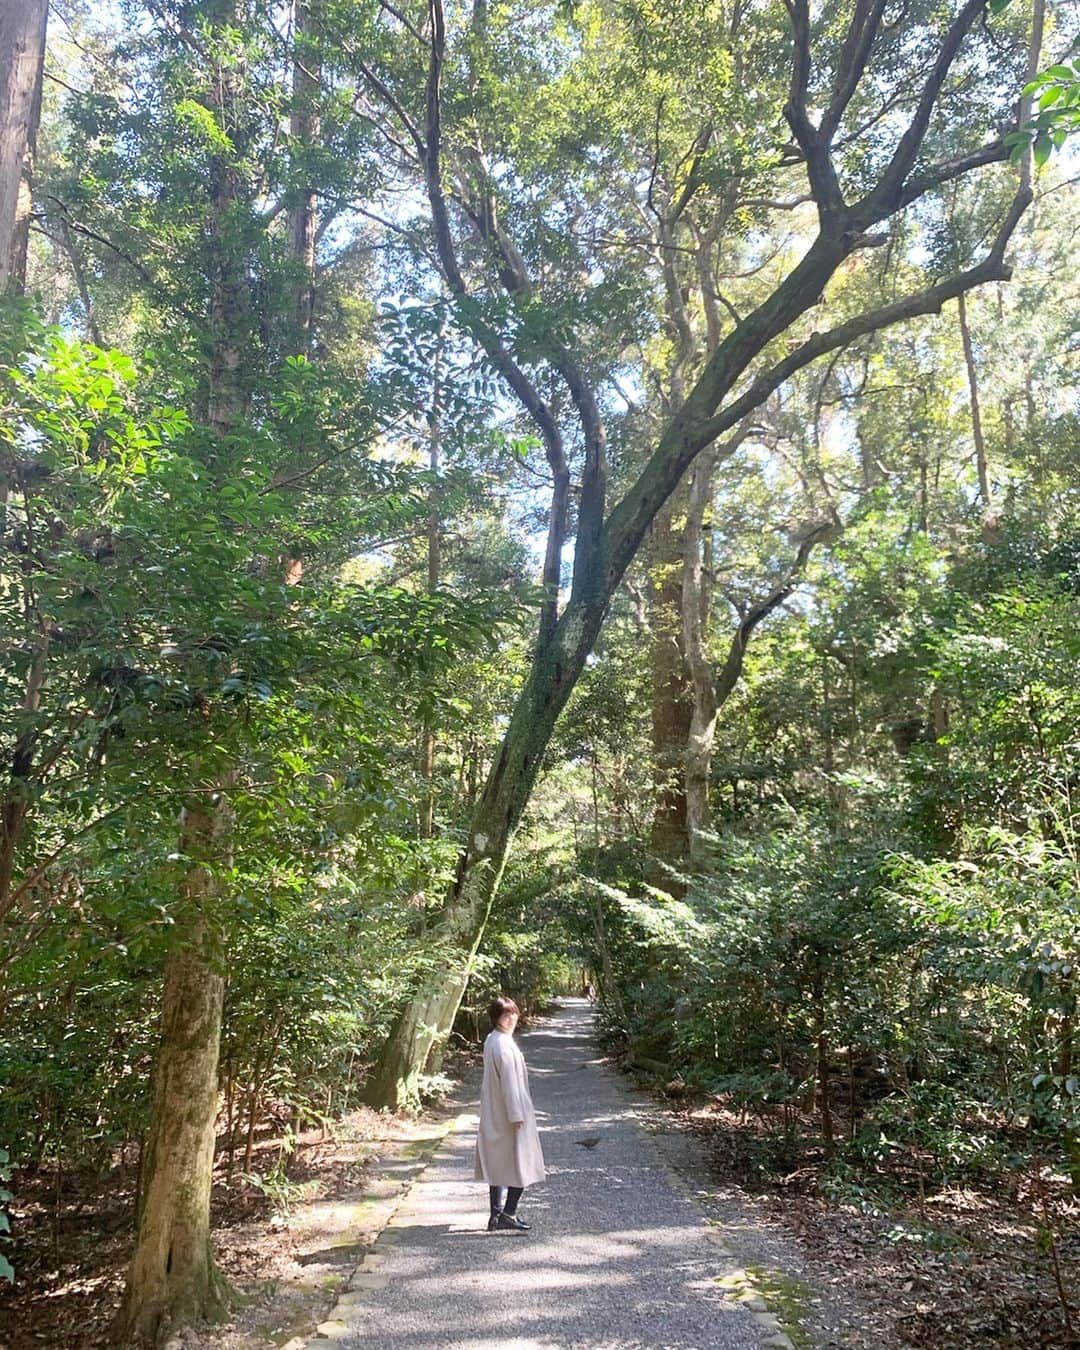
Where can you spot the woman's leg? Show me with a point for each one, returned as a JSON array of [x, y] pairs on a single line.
[[496, 1195], [513, 1195]]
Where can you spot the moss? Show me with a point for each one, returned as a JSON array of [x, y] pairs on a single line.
[[420, 1148], [787, 1298]]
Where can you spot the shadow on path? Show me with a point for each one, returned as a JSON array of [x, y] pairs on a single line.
[[619, 1255]]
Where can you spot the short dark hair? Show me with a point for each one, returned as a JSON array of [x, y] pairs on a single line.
[[500, 1007]]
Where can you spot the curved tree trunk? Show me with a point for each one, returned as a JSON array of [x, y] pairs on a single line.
[[606, 544]]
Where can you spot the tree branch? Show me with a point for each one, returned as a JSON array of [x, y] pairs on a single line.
[[493, 348], [886, 197], [824, 183], [688, 433], [863, 29]]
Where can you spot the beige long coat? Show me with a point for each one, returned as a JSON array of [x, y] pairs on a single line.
[[505, 1155]]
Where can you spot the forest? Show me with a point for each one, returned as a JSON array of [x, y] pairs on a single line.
[[505, 494]]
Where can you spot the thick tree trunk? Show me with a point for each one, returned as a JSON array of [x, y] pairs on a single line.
[[22, 61], [606, 546], [172, 1281], [22, 58]]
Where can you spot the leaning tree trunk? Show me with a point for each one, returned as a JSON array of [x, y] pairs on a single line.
[[427, 1018], [606, 546], [172, 1281]]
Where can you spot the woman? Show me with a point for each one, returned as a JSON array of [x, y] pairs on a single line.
[[508, 1144]]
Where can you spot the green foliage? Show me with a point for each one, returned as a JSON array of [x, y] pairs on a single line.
[[176, 649], [1056, 92]]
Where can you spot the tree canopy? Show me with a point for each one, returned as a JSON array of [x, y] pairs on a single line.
[[505, 495]]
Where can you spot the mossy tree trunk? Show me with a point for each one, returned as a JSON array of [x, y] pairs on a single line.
[[422, 1028], [172, 1281]]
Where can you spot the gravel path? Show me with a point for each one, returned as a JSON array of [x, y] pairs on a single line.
[[618, 1256]]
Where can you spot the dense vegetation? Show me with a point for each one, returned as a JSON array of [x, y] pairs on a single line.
[[521, 492]]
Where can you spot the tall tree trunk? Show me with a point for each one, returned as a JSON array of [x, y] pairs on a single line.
[[695, 625], [304, 128], [172, 1280], [22, 59], [672, 704], [434, 566], [976, 412], [712, 688], [22, 63]]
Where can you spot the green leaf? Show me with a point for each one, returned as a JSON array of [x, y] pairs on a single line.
[[1042, 148]]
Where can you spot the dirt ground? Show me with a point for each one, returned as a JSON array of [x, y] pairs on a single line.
[[964, 1267], [961, 1268], [285, 1253]]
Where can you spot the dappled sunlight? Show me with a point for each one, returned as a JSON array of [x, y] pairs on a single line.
[[614, 1252]]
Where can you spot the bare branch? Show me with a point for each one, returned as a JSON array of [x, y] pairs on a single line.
[[824, 183], [404, 20], [392, 101], [863, 29], [885, 198]]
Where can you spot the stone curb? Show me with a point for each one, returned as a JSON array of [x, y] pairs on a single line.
[[365, 1279]]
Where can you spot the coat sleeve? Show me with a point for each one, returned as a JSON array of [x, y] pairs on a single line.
[[511, 1084]]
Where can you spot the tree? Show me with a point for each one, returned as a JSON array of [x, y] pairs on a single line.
[[853, 202], [22, 63]]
